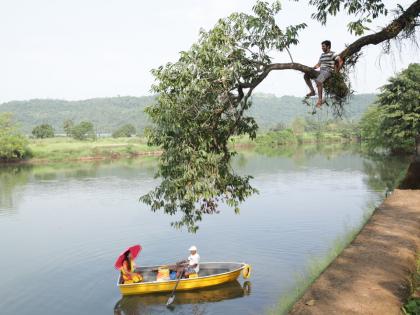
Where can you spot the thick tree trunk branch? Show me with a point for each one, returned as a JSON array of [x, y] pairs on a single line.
[[389, 32], [279, 66]]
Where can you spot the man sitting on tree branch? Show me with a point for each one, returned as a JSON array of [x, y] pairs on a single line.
[[328, 62]]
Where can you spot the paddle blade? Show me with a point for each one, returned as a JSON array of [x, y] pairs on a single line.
[[170, 300]]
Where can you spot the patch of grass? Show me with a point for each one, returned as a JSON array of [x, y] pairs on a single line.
[[62, 149], [412, 307], [316, 265]]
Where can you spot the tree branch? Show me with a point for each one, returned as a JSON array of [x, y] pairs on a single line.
[[388, 32]]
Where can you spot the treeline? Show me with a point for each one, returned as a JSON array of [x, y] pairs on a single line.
[[109, 114], [392, 123], [82, 131], [106, 114]]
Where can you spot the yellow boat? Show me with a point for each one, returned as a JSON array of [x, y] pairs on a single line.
[[211, 274], [146, 303]]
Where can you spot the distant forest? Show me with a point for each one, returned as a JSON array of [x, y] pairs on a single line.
[[108, 114]]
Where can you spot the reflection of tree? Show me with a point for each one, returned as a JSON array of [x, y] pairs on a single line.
[[283, 151], [385, 172], [12, 176], [241, 160], [302, 153]]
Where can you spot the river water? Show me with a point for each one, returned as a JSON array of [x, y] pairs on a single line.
[[62, 227]]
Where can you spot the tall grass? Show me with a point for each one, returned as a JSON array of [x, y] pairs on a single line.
[[316, 265]]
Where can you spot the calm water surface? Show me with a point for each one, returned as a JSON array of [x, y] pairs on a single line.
[[62, 226]]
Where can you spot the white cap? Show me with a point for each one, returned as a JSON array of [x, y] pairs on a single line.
[[193, 248]]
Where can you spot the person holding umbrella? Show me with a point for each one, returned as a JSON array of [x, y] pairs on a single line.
[[125, 263]]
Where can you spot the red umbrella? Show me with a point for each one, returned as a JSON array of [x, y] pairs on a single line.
[[135, 250]]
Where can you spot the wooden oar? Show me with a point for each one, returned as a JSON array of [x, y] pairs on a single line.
[[172, 297]]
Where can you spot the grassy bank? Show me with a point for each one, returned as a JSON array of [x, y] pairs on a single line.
[[412, 307], [63, 149]]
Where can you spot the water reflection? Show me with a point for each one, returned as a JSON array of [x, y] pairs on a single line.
[[12, 177], [153, 302], [80, 215], [301, 153], [385, 172]]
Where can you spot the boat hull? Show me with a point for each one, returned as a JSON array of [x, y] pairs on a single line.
[[231, 274]]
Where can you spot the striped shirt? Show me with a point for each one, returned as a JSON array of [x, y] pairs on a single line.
[[327, 60]]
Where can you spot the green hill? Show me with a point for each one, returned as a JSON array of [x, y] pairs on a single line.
[[107, 114]]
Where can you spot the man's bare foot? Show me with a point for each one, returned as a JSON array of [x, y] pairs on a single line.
[[319, 103], [312, 93]]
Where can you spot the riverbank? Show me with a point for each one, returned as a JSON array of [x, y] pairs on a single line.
[[373, 274], [62, 149], [67, 149]]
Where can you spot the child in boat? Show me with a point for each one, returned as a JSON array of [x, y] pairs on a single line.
[[128, 270], [192, 264]]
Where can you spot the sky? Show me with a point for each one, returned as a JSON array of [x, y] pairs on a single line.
[[79, 49]]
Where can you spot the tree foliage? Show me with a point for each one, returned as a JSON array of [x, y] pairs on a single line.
[[68, 125], [43, 131], [203, 100], [83, 131], [13, 145], [365, 11], [394, 122], [124, 131]]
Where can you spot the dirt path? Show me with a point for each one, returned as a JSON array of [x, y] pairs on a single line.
[[372, 275]]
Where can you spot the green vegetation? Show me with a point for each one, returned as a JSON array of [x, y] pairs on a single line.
[[268, 110], [43, 131], [306, 130], [83, 131], [125, 131], [412, 307], [203, 99], [68, 125], [13, 145], [393, 122], [63, 149]]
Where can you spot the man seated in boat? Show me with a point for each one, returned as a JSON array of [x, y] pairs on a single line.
[[191, 265], [128, 270]]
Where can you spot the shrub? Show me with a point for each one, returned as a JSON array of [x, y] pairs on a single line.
[[43, 131], [13, 144], [125, 131]]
